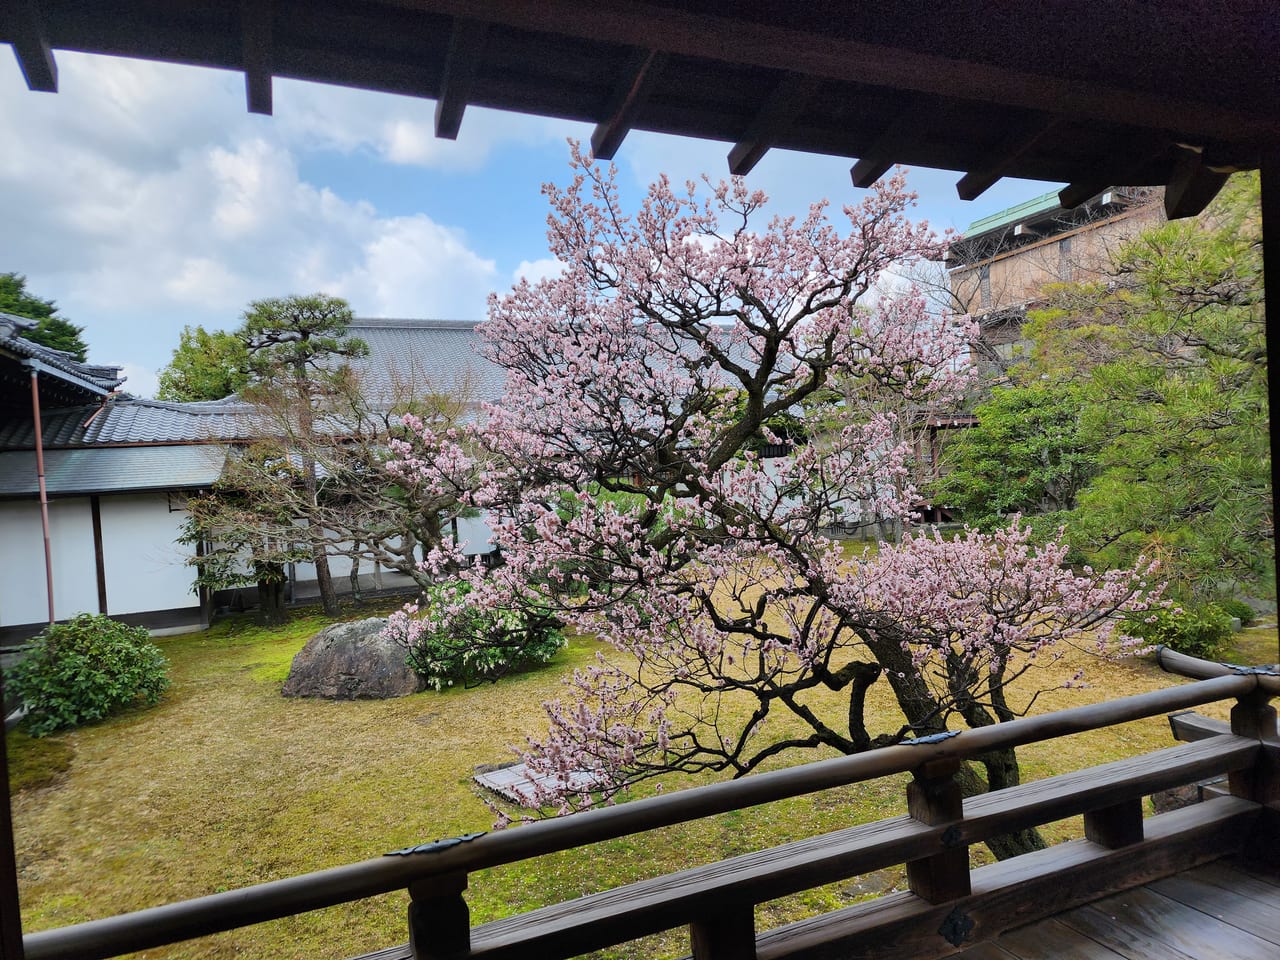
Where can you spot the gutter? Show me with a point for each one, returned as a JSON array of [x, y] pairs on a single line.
[[44, 493]]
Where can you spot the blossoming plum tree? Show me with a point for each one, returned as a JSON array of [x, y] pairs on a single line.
[[629, 504]]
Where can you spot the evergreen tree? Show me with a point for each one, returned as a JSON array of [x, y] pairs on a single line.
[[50, 330], [206, 365]]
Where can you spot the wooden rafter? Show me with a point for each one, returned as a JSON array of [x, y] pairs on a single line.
[[977, 181], [462, 63], [1074, 194], [31, 45], [256, 25], [875, 162], [1193, 185], [776, 115], [830, 56], [634, 85]]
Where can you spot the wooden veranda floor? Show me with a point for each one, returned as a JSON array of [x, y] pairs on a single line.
[[1219, 911], [1223, 910]]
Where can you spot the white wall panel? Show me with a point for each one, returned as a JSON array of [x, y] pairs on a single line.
[[22, 585], [146, 566]]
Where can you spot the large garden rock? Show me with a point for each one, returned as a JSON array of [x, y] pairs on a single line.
[[352, 661]]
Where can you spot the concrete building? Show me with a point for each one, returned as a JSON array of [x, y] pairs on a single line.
[[998, 269]]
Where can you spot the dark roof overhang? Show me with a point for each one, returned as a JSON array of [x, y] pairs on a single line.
[[1079, 91]]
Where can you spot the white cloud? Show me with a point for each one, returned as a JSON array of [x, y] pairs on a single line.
[[535, 270], [143, 197], [199, 280], [413, 267], [141, 381], [400, 130]]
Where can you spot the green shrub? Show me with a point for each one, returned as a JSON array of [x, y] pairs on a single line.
[[1239, 609], [79, 672], [478, 645], [1202, 631]]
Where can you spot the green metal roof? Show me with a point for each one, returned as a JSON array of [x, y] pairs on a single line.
[[1012, 215], [112, 469]]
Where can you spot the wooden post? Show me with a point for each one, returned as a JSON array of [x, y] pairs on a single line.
[[933, 797], [1270, 176], [1117, 825], [1253, 716], [10, 917], [730, 934], [439, 920]]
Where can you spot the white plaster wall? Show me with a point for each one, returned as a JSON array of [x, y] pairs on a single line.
[[23, 595], [474, 535], [22, 589], [146, 567]]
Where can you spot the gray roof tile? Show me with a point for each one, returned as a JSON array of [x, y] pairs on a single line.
[[94, 378], [128, 420], [425, 356], [112, 469]]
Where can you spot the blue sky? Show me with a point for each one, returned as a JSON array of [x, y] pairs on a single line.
[[143, 197]]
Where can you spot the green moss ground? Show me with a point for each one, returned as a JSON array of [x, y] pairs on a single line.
[[226, 784]]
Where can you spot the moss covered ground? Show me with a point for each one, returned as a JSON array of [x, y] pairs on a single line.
[[226, 784]]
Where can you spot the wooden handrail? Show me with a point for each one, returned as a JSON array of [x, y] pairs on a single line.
[[171, 923], [1194, 668]]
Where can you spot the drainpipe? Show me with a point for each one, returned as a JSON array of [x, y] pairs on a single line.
[[44, 493]]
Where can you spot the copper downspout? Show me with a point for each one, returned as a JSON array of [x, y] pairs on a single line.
[[44, 493]]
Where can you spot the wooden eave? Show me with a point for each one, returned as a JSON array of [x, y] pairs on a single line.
[[1077, 91]]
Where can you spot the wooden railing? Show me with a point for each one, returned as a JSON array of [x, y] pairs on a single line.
[[948, 903]]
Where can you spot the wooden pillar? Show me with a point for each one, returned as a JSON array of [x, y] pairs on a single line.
[[439, 920], [10, 917], [933, 797], [1117, 825], [726, 934], [99, 561], [1253, 716], [1271, 284]]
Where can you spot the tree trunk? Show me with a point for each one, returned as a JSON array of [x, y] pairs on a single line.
[[306, 427], [1002, 771], [324, 580], [271, 602], [355, 576], [923, 712]]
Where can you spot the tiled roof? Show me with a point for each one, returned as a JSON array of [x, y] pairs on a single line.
[[112, 469], [128, 420], [93, 378], [415, 357]]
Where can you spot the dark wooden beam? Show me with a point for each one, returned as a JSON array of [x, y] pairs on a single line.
[[776, 115], [10, 915], [99, 556], [634, 85], [875, 163], [1192, 186], [976, 182], [31, 45], [1270, 172], [829, 55], [461, 64], [256, 27], [1074, 194]]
